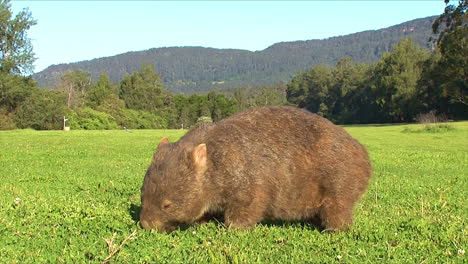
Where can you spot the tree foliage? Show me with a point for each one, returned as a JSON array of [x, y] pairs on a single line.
[[402, 84], [14, 90], [395, 80], [99, 91], [143, 90], [452, 42], [75, 86], [42, 110], [16, 54]]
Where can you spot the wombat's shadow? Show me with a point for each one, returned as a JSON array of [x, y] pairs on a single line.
[[315, 223], [134, 212]]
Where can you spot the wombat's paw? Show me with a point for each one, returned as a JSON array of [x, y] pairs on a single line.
[[239, 224], [337, 225], [335, 230]]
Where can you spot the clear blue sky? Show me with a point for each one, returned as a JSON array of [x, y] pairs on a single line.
[[82, 30]]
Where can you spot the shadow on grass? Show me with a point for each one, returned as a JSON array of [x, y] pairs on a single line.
[[314, 223], [374, 125], [134, 212]]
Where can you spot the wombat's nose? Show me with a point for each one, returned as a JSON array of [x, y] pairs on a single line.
[[145, 225]]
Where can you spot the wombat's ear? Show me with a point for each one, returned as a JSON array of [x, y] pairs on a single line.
[[199, 158], [164, 141]]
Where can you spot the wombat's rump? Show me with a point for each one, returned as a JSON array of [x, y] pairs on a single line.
[[278, 163]]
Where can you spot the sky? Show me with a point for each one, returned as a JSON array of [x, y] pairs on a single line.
[[71, 31]]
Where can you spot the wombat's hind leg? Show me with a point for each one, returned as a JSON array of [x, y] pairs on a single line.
[[336, 215]]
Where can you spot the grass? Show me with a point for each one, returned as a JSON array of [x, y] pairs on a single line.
[[74, 198]]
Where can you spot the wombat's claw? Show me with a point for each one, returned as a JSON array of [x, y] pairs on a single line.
[[328, 230], [239, 226]]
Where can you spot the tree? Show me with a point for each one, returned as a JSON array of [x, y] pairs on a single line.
[[111, 105], [270, 95], [395, 81], [14, 90], [99, 91], [346, 93], [42, 110], [74, 85], [453, 45], [184, 118], [240, 100], [144, 91], [318, 82], [297, 90], [221, 106], [16, 54]]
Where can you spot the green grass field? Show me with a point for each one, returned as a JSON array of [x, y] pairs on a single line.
[[74, 198]]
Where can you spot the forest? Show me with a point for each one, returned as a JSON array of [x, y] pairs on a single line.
[[401, 85]]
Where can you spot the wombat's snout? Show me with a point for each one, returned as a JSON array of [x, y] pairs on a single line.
[[157, 226], [145, 225]]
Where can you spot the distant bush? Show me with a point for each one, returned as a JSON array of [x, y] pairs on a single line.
[[136, 119], [430, 128], [431, 118], [437, 128], [431, 122], [87, 118], [204, 119], [7, 120]]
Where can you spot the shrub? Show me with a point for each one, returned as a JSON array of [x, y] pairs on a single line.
[[431, 118], [204, 119], [87, 118], [136, 119], [430, 128], [437, 128]]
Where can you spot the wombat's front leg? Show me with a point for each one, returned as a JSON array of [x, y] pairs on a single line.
[[241, 218], [208, 217], [244, 214]]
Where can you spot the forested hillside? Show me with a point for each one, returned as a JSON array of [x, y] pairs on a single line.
[[198, 69]]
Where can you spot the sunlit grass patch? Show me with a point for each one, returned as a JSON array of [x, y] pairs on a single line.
[[74, 198]]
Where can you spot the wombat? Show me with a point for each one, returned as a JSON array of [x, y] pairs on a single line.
[[268, 163]]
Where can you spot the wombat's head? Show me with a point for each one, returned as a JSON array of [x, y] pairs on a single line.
[[173, 186]]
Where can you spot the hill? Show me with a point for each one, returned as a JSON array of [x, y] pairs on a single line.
[[199, 69]]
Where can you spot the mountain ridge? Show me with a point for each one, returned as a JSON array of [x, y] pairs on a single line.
[[189, 69]]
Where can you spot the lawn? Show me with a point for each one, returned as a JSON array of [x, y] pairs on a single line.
[[74, 198]]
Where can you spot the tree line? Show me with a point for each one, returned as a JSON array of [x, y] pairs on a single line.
[[138, 101], [404, 83]]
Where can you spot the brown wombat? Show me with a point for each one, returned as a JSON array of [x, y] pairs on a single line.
[[276, 163]]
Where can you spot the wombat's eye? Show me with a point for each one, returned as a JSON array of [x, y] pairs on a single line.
[[166, 204]]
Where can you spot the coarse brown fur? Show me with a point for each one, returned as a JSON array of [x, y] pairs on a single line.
[[275, 163]]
